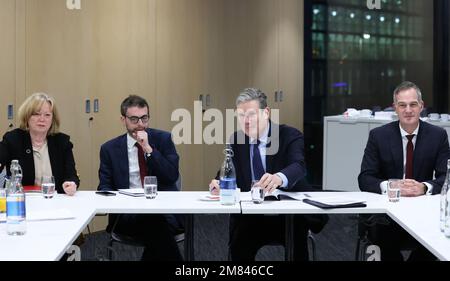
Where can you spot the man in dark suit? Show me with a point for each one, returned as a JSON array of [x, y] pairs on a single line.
[[408, 149], [125, 161], [272, 154]]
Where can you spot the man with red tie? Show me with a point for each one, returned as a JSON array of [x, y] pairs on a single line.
[[408, 149], [125, 161]]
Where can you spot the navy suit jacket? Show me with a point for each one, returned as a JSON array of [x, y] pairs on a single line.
[[289, 159], [383, 156], [114, 171], [17, 145]]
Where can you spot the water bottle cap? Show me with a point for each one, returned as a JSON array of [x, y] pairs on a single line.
[[228, 152]]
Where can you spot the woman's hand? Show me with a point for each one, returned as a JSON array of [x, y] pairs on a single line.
[[69, 187]]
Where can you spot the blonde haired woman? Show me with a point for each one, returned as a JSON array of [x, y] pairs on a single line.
[[39, 146]]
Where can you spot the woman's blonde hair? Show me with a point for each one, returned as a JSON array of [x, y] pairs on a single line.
[[32, 105]]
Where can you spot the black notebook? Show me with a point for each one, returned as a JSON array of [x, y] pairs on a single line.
[[332, 204]]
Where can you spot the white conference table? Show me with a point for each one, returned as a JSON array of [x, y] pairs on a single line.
[[375, 204], [167, 202], [49, 239], [46, 239], [419, 216]]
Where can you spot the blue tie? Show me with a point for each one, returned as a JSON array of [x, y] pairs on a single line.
[[258, 169]]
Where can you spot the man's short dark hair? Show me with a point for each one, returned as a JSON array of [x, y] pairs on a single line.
[[132, 101], [406, 85]]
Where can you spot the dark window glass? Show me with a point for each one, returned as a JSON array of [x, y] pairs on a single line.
[[358, 56]]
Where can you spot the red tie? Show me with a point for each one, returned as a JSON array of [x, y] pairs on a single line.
[[409, 158], [142, 164]]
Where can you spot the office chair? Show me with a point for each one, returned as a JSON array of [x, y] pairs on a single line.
[[366, 232], [312, 245], [174, 222], [366, 229]]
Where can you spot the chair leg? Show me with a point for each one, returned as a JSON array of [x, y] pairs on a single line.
[[357, 253], [361, 246], [312, 241], [110, 249]]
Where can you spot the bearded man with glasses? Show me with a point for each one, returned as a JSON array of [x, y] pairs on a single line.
[[125, 161]]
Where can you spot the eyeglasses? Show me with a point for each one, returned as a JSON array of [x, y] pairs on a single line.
[[135, 119]]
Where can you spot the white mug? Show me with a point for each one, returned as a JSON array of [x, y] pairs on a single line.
[[433, 116], [352, 112], [365, 113]]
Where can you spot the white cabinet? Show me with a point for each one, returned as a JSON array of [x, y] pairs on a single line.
[[344, 141]]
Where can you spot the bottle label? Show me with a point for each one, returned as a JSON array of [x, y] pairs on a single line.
[[15, 206], [227, 183]]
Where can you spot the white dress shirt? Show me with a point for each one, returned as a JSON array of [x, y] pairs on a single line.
[[384, 184], [262, 152], [133, 163]]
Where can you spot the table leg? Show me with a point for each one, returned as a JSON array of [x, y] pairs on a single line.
[[289, 236], [189, 238]]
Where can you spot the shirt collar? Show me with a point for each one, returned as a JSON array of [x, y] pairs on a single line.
[[404, 133], [130, 141]]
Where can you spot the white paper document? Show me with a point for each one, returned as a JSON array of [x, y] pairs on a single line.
[[136, 192], [276, 195], [58, 214]]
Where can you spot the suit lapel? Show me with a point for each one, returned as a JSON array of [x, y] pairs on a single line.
[[122, 157], [396, 146], [269, 158], [241, 160], [28, 164], [419, 147], [151, 142], [52, 153]]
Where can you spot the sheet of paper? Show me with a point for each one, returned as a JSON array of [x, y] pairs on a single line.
[[58, 214], [132, 191]]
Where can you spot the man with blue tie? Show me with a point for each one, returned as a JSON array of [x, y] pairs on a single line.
[[272, 154], [125, 161], [408, 149]]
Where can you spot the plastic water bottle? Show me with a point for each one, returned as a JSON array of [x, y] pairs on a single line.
[[2, 202], [15, 202], [16, 170], [444, 190], [228, 179]]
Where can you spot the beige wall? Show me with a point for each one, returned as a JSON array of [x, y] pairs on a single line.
[[169, 51], [8, 53]]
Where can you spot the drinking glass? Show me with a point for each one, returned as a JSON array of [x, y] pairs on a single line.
[[257, 192], [48, 186], [150, 187], [393, 190]]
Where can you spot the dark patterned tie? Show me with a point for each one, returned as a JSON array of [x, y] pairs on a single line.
[[258, 169], [409, 158], [142, 165]]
